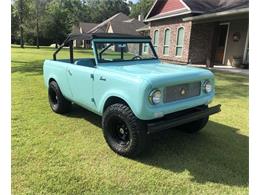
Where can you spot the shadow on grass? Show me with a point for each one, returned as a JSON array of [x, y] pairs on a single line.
[[79, 112], [217, 154], [35, 67]]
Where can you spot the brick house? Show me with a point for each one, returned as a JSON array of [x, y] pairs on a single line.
[[199, 31]]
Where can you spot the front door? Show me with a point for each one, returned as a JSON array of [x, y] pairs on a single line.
[[221, 43], [81, 85]]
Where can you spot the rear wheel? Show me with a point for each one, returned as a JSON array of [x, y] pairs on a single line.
[[58, 102], [123, 131]]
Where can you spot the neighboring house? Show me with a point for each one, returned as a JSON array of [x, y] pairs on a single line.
[[199, 31], [82, 27], [119, 23], [129, 26], [103, 26]]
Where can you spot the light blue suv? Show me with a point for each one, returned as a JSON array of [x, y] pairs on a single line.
[[134, 92]]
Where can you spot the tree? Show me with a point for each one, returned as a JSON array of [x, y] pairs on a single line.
[[57, 23], [77, 10], [34, 21], [37, 14], [21, 14], [14, 22], [142, 7], [103, 9], [21, 11]]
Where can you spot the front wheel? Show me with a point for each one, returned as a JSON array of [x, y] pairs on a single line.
[[123, 131]]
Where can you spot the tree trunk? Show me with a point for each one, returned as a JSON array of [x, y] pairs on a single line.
[[37, 25], [21, 37], [21, 23], [37, 36], [37, 33]]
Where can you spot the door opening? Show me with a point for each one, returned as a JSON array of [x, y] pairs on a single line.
[[221, 43]]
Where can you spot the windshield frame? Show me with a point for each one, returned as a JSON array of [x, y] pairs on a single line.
[[122, 41]]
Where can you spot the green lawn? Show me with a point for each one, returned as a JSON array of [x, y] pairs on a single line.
[[55, 154]]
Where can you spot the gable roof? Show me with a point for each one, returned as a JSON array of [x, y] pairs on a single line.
[[166, 8], [127, 26], [168, 15], [87, 26], [83, 27], [120, 23], [162, 9], [210, 6], [143, 28], [119, 17], [218, 16]]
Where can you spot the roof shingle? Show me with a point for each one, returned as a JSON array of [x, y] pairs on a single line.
[[210, 6], [196, 6], [103, 25]]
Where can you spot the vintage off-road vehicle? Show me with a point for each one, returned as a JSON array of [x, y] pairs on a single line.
[[133, 91]]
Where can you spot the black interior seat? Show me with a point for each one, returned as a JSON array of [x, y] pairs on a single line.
[[90, 62]]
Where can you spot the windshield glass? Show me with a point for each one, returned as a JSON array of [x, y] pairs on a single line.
[[124, 51]]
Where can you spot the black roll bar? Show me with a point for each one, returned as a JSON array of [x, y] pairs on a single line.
[[61, 46]]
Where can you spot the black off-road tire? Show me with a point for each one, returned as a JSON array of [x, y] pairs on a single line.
[[58, 102], [194, 126], [133, 139]]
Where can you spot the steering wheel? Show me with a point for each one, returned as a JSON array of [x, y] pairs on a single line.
[[137, 58]]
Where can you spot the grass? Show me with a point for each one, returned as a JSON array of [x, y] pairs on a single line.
[[55, 154]]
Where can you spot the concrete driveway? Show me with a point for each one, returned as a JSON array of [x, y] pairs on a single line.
[[229, 69]]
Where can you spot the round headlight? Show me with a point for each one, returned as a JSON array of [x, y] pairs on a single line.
[[155, 96], [207, 86]]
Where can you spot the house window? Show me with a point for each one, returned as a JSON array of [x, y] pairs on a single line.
[[145, 47], [180, 40], [155, 40], [166, 42]]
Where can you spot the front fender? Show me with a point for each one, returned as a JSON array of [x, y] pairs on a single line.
[[134, 96], [117, 94]]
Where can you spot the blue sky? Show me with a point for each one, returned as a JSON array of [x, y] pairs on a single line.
[[134, 1]]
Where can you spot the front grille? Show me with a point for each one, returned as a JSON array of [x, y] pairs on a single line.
[[182, 91]]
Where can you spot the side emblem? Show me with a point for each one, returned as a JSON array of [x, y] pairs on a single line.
[[183, 92]]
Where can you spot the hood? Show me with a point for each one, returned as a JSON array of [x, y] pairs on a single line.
[[160, 73]]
